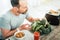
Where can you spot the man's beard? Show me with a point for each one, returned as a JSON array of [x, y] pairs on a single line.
[[22, 12]]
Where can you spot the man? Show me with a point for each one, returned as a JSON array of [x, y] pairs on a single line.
[[14, 18]]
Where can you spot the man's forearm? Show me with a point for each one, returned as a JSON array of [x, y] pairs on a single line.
[[31, 19], [10, 33]]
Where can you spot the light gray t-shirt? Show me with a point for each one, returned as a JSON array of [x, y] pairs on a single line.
[[10, 21]]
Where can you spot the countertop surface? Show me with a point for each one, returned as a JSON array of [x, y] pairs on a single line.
[[54, 35]]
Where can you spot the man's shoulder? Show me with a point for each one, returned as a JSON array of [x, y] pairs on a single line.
[[7, 15]]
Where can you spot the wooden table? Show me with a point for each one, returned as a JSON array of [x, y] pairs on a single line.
[[54, 35]]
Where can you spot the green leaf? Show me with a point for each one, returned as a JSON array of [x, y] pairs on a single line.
[[37, 28], [33, 25]]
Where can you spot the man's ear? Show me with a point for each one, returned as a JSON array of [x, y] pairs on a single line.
[[15, 9]]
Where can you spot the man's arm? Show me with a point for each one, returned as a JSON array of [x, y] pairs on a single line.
[[7, 33], [31, 19]]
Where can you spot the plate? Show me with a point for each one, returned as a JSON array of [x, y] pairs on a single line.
[[28, 35]]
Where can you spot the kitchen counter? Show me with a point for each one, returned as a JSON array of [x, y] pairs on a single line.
[[54, 35]]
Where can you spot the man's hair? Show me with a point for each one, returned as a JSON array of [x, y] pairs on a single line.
[[14, 2]]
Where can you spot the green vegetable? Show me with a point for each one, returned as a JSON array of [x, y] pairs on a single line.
[[33, 25], [41, 27]]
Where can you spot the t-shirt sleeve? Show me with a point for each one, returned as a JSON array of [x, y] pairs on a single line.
[[5, 23]]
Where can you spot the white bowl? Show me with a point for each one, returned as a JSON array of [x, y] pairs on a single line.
[[19, 38]]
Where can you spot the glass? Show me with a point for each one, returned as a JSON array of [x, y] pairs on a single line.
[[36, 35]]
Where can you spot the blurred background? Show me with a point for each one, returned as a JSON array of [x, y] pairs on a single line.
[[37, 8]]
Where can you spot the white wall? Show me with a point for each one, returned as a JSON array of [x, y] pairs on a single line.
[[4, 6], [37, 8]]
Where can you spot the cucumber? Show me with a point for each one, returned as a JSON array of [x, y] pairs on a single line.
[[37, 28], [33, 25]]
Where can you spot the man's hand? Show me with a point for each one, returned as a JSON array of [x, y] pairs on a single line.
[[36, 19], [25, 27], [31, 19]]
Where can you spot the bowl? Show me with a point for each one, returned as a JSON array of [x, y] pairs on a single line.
[[52, 19], [19, 35]]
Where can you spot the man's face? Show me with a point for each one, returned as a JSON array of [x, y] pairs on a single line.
[[23, 7]]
